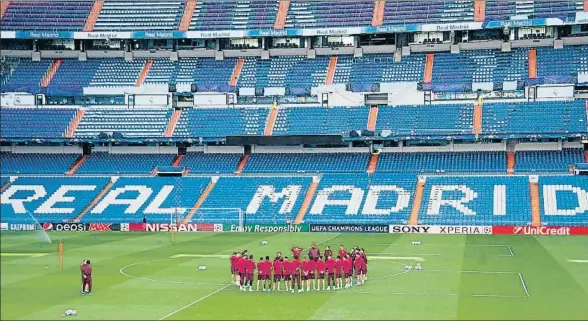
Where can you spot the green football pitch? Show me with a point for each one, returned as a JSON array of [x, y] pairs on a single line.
[[145, 276]]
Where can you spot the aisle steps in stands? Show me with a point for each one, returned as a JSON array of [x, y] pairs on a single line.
[[477, 128], [77, 165], [510, 162], [373, 118], [173, 122], [282, 14], [178, 160], [479, 10], [372, 164], [535, 205], [533, 63], [378, 15], [187, 16], [307, 200], [201, 199], [144, 73], [73, 125], [3, 7], [418, 199], [5, 186], [331, 70], [236, 72], [95, 201], [271, 121], [429, 68], [51, 72], [242, 164], [93, 15]]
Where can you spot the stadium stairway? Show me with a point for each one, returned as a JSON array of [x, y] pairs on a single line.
[[331, 70], [93, 15], [173, 122], [178, 160], [187, 15], [5, 186], [510, 162], [236, 72], [307, 200], [586, 156], [585, 5], [3, 7], [242, 164], [535, 206], [416, 204], [378, 15], [73, 125], [477, 121], [373, 118], [50, 73], [282, 14], [201, 199], [479, 10], [144, 73], [533, 63], [95, 201], [76, 165], [372, 164], [429, 68], [271, 121]]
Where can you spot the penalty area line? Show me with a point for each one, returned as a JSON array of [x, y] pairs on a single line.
[[524, 284], [194, 302]]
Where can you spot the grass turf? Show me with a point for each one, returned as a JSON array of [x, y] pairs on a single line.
[[464, 277]]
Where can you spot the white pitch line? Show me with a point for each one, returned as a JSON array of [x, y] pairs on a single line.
[[438, 294], [454, 245], [194, 302], [122, 271], [440, 254], [471, 271], [330, 238], [510, 250], [390, 275], [524, 284]]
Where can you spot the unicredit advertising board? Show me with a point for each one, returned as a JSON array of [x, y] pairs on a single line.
[[540, 230]]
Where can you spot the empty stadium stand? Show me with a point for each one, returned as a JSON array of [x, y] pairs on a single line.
[[151, 15], [206, 163], [471, 200], [131, 123], [546, 161], [220, 122], [306, 162], [563, 200], [440, 162], [42, 123], [108, 163], [46, 15], [36, 163], [262, 199], [319, 14], [231, 15], [320, 120], [450, 119]]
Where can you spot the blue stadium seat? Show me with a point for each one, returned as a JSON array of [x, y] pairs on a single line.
[[234, 15], [441, 162], [132, 123], [39, 189], [150, 15], [320, 120], [220, 122], [46, 15], [40, 123], [564, 200], [36, 163], [548, 160], [208, 163], [107, 163], [306, 162], [469, 200]]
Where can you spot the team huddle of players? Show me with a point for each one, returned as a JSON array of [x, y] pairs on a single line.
[[294, 273]]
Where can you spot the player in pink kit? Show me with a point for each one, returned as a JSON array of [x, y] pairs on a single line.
[[296, 271], [287, 264], [339, 272], [360, 267], [312, 264], [307, 273], [330, 272], [87, 276], [278, 272], [321, 268], [347, 268]]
